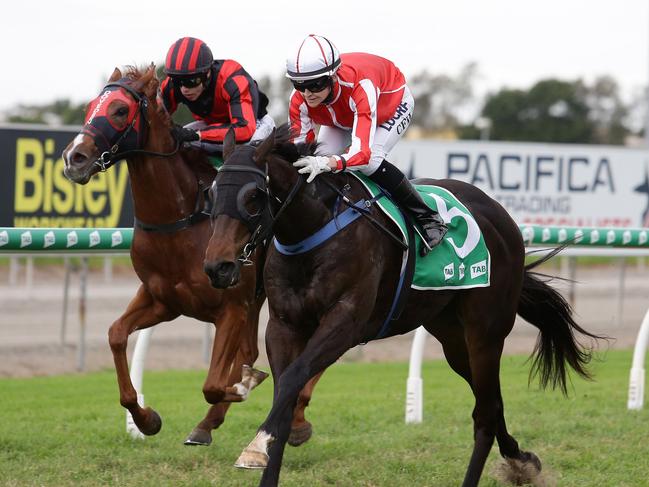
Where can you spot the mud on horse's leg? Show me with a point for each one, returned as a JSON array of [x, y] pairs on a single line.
[[142, 312]]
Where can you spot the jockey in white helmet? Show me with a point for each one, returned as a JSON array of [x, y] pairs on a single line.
[[363, 107]]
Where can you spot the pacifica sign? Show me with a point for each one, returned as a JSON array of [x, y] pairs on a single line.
[[546, 184]]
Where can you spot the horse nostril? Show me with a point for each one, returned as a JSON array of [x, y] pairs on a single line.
[[78, 157], [218, 269], [222, 274]]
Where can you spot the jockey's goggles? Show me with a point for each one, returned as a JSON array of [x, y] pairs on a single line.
[[313, 85], [189, 81]]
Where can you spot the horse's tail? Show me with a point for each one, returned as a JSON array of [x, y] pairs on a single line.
[[545, 308]]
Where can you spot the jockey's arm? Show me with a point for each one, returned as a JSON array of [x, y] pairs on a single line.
[[241, 110], [302, 127], [364, 102], [166, 96]]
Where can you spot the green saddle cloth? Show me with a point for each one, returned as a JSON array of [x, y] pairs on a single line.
[[216, 161], [461, 260]]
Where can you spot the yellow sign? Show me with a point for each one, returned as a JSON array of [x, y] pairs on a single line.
[[43, 197]]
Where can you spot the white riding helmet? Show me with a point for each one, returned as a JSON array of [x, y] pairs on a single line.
[[316, 57]]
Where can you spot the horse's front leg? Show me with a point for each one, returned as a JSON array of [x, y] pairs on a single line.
[[229, 379], [142, 312], [327, 344]]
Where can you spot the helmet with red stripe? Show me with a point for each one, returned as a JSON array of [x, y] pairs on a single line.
[[188, 56], [315, 57]]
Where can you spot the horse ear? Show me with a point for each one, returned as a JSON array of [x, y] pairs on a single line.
[[117, 75], [228, 144], [264, 148], [148, 83]]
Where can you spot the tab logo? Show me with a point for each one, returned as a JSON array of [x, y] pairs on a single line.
[[478, 269], [449, 271]]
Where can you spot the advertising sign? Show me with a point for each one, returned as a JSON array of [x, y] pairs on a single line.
[[545, 184], [35, 193]]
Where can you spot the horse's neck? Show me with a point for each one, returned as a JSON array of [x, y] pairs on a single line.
[[164, 188], [303, 216]]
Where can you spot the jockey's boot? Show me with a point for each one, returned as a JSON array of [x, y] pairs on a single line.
[[390, 178]]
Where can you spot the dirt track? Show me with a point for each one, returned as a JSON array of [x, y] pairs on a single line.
[[30, 323]]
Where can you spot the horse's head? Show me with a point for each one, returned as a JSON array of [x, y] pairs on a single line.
[[240, 213], [116, 122]]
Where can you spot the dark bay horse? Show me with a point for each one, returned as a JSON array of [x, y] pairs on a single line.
[[328, 299], [170, 237]]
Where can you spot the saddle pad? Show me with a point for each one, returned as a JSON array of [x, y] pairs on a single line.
[[461, 260]]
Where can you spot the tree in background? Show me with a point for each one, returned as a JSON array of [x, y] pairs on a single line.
[[608, 112], [61, 112], [440, 99], [553, 110]]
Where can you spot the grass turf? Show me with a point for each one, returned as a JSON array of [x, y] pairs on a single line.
[[70, 430]]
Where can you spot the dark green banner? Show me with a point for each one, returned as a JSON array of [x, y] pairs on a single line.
[[35, 193]]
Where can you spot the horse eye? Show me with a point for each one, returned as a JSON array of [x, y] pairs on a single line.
[[121, 112]]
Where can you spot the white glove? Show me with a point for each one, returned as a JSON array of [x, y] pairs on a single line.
[[312, 165]]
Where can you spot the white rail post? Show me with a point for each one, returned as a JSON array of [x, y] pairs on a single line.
[[137, 373], [636, 379], [415, 385]]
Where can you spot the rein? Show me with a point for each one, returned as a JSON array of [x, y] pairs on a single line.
[[108, 158], [365, 213], [264, 230]]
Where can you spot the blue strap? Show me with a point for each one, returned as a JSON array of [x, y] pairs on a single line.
[[325, 233], [401, 294]]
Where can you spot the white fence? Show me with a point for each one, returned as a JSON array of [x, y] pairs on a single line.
[[589, 241]]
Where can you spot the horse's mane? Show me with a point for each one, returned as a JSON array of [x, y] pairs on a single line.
[[133, 73], [285, 148], [200, 164]]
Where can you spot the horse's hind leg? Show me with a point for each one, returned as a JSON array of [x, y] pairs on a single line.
[[484, 334], [246, 354], [201, 435], [142, 312], [231, 375], [301, 429]]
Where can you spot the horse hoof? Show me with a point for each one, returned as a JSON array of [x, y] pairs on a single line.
[[525, 470], [153, 423], [252, 377], [300, 435], [252, 460], [199, 437]]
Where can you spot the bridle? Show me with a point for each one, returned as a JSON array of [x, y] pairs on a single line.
[[260, 224], [115, 144], [114, 152]]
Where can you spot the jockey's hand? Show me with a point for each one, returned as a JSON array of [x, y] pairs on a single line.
[[313, 165], [183, 134]]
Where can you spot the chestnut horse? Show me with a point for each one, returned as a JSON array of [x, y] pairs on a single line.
[[169, 241], [326, 300]]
